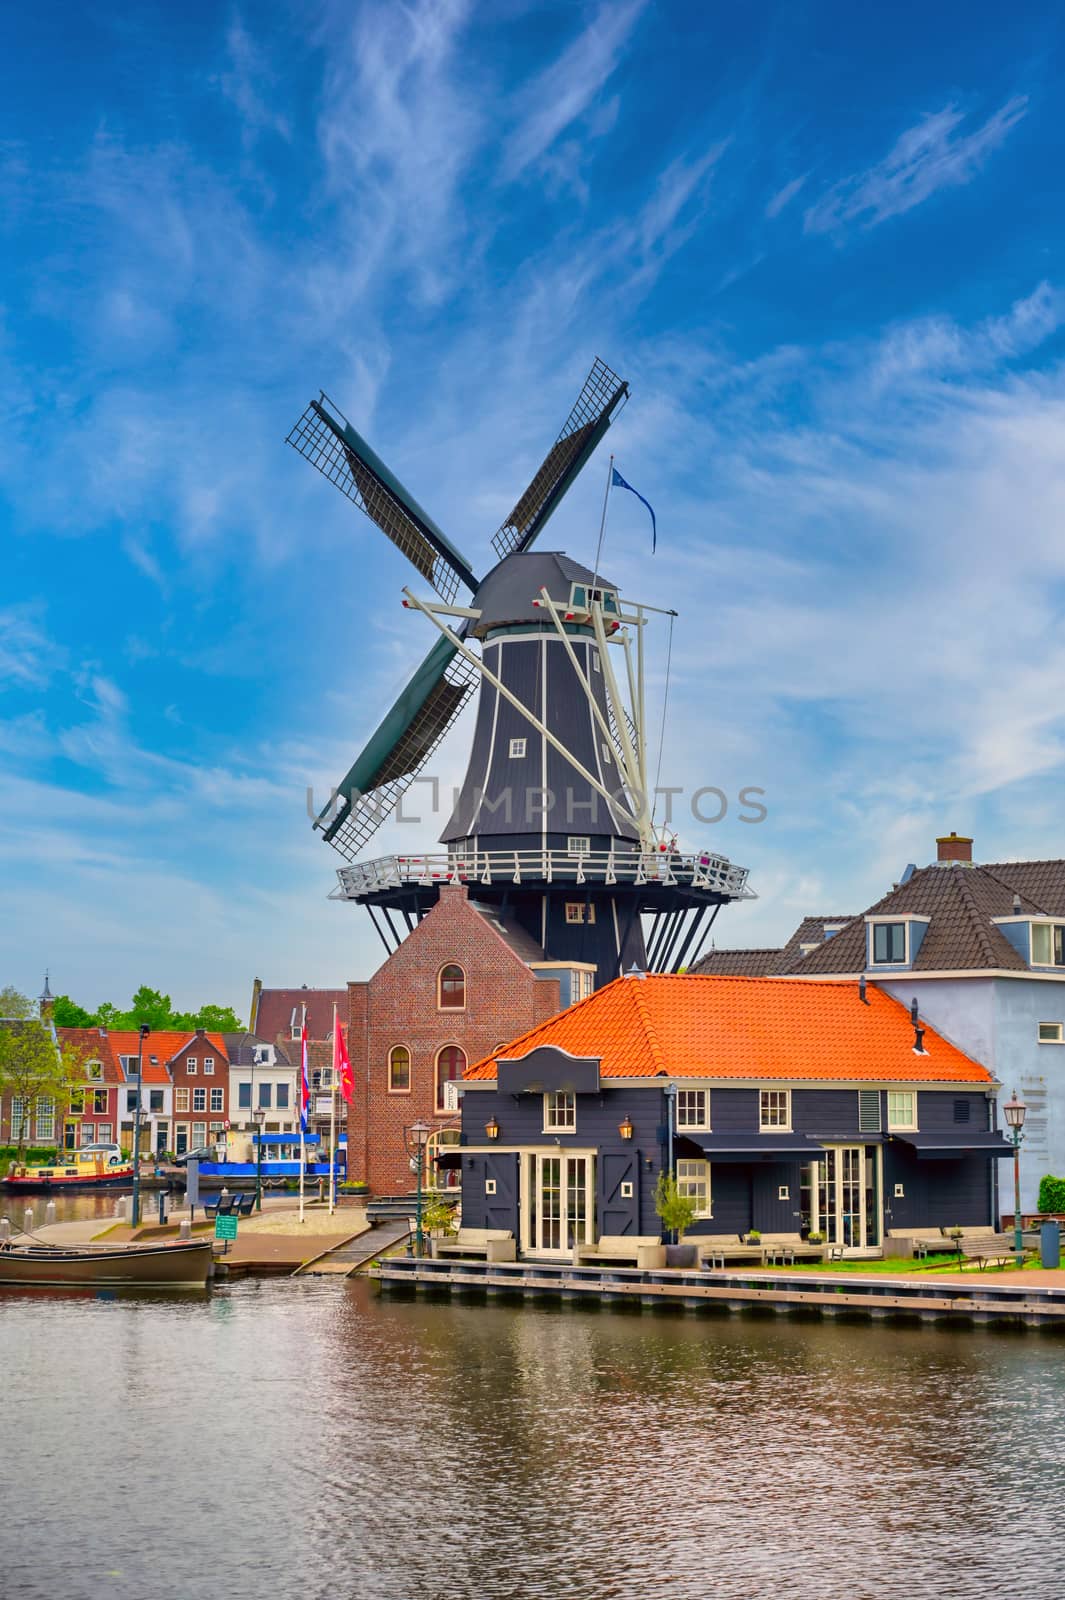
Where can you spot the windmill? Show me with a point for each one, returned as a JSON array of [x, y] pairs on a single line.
[[551, 827]]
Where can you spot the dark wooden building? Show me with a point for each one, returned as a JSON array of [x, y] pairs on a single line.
[[785, 1106]]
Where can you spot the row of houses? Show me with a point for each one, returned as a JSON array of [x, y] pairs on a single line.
[[195, 1088], [959, 963]]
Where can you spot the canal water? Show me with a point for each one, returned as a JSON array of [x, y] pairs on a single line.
[[308, 1438]]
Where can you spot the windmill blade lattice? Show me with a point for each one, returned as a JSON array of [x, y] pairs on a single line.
[[325, 437], [397, 754], [581, 432]]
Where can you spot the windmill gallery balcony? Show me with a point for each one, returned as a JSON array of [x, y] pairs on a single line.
[[667, 870]]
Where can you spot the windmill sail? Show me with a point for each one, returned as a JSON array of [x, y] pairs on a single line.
[[581, 432], [328, 441], [397, 753]]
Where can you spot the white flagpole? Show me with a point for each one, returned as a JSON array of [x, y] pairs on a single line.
[[333, 1121], [303, 1116], [602, 522]]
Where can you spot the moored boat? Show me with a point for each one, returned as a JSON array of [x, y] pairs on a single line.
[[153, 1266], [95, 1167]]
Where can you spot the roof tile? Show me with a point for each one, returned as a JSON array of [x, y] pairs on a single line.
[[751, 1028]]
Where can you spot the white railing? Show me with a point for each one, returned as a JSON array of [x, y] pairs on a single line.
[[701, 870]]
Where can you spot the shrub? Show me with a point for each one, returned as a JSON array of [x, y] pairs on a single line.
[[1051, 1194], [676, 1210], [35, 1155]]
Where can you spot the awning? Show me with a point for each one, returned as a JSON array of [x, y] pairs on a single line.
[[753, 1147], [955, 1144], [449, 1160]]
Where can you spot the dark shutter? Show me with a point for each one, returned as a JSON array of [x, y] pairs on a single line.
[[869, 1110], [618, 1192], [501, 1208], [962, 1111]]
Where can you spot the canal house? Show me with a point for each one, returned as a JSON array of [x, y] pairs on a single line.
[[784, 1106], [983, 946]]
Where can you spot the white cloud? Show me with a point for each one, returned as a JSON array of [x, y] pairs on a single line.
[[930, 156], [566, 89], [784, 196]]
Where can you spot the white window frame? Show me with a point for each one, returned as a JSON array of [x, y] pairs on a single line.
[[200, 1110], [578, 844], [1049, 924], [889, 922], [94, 1071], [1056, 1037], [517, 749], [701, 1123], [194, 1141], [596, 664], [894, 1122], [208, 1066], [556, 1101], [693, 1180], [766, 1105], [182, 1094], [44, 1118], [103, 1133], [218, 1099], [190, 1066], [575, 910]]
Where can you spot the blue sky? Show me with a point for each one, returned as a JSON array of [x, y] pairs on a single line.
[[823, 243]]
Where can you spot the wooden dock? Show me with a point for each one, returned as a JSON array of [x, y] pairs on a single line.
[[903, 1298]]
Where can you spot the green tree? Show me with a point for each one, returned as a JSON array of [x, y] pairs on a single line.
[[13, 1004], [68, 1014], [218, 1019], [34, 1067]]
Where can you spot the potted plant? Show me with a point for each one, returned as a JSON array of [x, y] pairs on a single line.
[[677, 1212], [753, 1236], [438, 1219]]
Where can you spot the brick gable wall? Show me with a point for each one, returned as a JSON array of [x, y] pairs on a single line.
[[398, 1006]]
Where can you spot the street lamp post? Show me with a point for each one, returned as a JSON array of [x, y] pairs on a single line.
[[259, 1117], [1015, 1112], [135, 1208], [415, 1138]]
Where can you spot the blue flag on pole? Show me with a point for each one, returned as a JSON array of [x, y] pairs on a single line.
[[619, 483]]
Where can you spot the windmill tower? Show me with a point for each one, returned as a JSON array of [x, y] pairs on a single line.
[[551, 826]]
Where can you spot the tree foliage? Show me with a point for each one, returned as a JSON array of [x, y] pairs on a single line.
[[1052, 1195], [149, 1006], [33, 1066]]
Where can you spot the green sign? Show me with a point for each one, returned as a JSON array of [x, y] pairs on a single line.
[[225, 1227]]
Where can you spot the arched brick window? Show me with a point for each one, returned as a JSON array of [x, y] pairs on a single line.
[[450, 1064], [399, 1069], [452, 988]]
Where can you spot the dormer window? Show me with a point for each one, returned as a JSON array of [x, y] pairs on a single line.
[[889, 943], [94, 1071], [1048, 944]]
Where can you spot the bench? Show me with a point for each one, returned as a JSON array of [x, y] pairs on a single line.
[[992, 1248], [486, 1244], [644, 1250]]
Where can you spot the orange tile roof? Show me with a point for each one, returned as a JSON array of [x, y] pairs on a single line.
[[729, 1027], [89, 1044], [164, 1046]]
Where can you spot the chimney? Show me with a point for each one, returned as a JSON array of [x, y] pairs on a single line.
[[953, 847]]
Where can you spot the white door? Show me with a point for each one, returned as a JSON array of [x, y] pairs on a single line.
[[560, 1203]]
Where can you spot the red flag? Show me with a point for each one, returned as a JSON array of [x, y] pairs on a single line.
[[342, 1063]]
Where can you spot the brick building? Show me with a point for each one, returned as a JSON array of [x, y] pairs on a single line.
[[199, 1071], [459, 985]]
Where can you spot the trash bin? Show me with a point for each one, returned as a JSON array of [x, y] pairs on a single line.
[[1050, 1245]]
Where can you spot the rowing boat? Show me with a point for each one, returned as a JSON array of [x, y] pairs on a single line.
[[150, 1266]]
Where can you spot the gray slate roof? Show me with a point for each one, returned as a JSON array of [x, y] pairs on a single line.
[[508, 592], [960, 901], [768, 963]]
